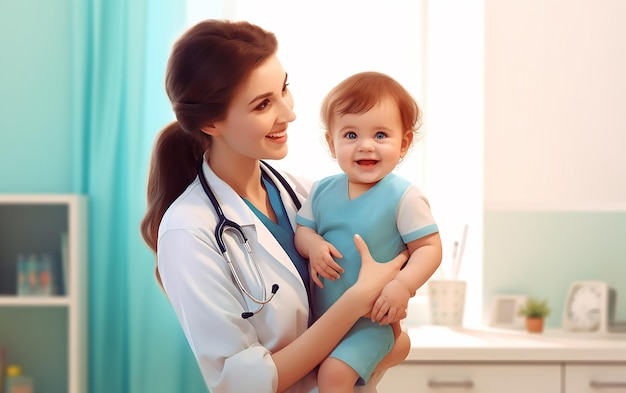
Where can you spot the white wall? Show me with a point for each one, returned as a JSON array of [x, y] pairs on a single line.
[[556, 90], [455, 113]]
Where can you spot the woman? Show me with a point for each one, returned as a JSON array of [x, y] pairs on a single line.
[[229, 93]]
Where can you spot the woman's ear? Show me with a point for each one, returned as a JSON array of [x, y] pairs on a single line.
[[209, 130]]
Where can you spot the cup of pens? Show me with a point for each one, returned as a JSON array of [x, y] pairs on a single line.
[[446, 296], [446, 300]]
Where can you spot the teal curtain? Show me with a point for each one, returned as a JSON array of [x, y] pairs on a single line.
[[120, 49]]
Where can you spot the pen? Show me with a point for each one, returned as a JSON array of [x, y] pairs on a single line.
[[458, 258], [455, 250]]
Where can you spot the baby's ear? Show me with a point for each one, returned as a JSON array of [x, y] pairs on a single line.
[[331, 145], [407, 140]]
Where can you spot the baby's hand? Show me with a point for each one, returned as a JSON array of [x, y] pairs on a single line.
[[321, 262], [392, 303]]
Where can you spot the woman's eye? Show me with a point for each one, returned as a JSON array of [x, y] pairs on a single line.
[[380, 135], [285, 87], [264, 104]]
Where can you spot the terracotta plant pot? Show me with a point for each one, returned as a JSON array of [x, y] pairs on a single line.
[[534, 325]]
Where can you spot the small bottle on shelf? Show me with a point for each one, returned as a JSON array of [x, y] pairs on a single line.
[[16, 382], [45, 275], [22, 276], [33, 279]]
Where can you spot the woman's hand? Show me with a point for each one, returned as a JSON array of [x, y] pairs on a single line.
[[373, 276]]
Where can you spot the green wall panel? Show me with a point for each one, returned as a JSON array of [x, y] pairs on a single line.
[[540, 253]]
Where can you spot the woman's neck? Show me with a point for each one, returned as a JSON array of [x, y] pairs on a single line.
[[244, 177]]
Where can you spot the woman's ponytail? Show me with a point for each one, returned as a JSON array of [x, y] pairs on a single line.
[[172, 168]]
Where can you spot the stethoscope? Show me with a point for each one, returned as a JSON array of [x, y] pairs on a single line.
[[224, 224]]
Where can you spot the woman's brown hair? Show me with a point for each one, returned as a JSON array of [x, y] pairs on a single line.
[[207, 64]]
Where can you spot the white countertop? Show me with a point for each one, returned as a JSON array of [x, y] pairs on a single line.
[[441, 343]]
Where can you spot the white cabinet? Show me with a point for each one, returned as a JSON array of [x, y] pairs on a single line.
[[483, 378], [511, 378], [588, 378], [457, 360], [46, 335]]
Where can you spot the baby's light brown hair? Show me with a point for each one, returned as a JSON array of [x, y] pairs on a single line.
[[361, 92]]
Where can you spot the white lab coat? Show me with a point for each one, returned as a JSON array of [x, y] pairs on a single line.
[[233, 353]]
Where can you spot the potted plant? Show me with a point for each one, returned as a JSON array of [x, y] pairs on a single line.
[[535, 310]]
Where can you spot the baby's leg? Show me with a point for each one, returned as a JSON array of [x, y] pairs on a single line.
[[335, 376]]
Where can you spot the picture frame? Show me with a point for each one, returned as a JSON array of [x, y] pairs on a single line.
[[504, 311]]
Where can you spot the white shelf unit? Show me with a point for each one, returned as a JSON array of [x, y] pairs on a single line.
[[46, 335]]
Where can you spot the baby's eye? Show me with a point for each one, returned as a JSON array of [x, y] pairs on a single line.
[[350, 135], [380, 135], [264, 104]]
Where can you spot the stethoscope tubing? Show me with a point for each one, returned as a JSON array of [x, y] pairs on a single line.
[[223, 225]]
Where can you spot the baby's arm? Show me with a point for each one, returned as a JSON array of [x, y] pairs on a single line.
[[320, 254], [425, 257]]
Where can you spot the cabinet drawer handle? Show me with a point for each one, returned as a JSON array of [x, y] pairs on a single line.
[[467, 384], [607, 385]]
